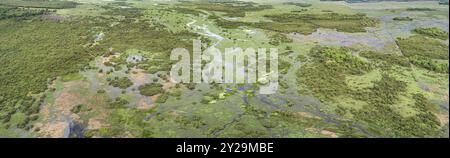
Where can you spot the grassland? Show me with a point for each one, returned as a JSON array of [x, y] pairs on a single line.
[[103, 66], [49, 4]]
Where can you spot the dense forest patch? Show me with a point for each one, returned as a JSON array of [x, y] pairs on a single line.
[[50, 4], [433, 32], [34, 53], [425, 52], [151, 89], [325, 77], [122, 83], [306, 23], [406, 18], [231, 8], [7, 12], [304, 5]]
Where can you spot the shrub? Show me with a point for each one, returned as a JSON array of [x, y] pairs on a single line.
[[122, 83], [151, 89], [433, 32], [162, 98]]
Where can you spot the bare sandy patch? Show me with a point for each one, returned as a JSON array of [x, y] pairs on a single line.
[[94, 124], [170, 82], [138, 77], [443, 118], [144, 105], [54, 130], [323, 132], [56, 117], [305, 114], [108, 59]]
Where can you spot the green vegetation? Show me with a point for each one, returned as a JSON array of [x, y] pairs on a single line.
[[36, 53], [162, 98], [433, 32], [118, 103], [51, 4], [305, 23], [325, 77], [299, 4], [126, 123], [19, 13], [430, 64], [342, 78], [424, 52], [187, 11], [279, 38], [420, 9], [385, 92], [406, 18], [389, 59], [308, 23], [424, 47], [151, 89], [122, 83], [33, 54], [80, 108], [231, 9]]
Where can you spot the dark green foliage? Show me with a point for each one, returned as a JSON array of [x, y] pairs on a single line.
[[433, 32], [423, 124], [122, 83], [187, 11], [389, 59], [101, 91], [430, 64], [118, 103], [193, 121], [340, 57], [308, 23], [325, 77], [231, 9], [225, 23], [279, 38], [126, 122], [126, 12], [19, 13], [151, 89], [33, 54], [424, 47], [143, 36], [420, 9], [80, 108], [324, 80], [284, 66], [299, 4], [190, 86], [425, 52], [406, 18], [162, 98], [386, 90], [51, 4]]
